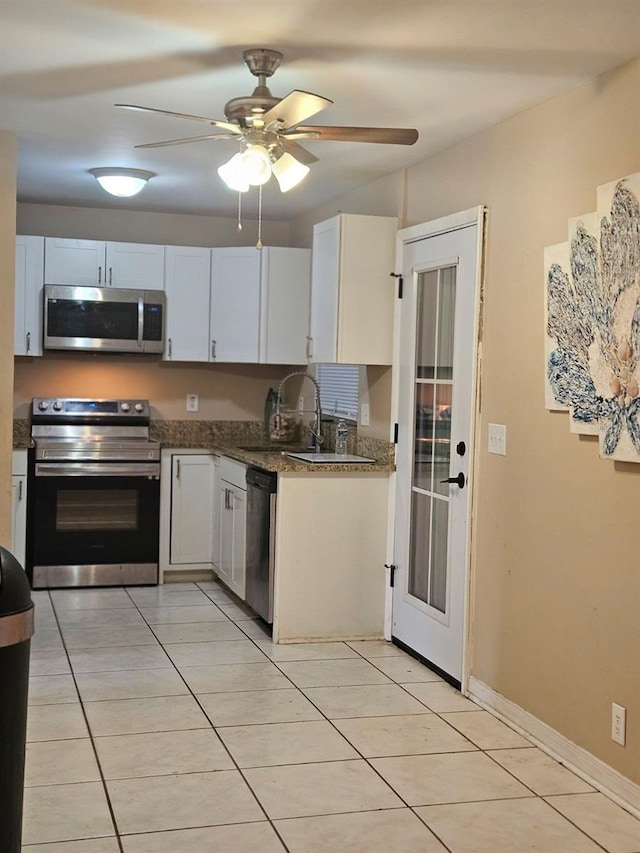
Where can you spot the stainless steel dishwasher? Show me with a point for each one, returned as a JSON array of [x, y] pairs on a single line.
[[260, 541]]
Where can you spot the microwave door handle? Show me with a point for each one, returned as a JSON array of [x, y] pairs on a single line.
[[140, 322]]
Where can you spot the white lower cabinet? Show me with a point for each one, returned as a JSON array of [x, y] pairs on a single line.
[[19, 505], [188, 510], [232, 505]]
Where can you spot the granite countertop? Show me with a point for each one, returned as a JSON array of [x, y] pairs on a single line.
[[231, 438], [278, 461]]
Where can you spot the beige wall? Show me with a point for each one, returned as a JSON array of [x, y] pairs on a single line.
[[227, 392], [7, 267], [557, 609], [88, 223]]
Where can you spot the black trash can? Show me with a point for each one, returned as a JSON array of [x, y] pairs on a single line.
[[16, 630]]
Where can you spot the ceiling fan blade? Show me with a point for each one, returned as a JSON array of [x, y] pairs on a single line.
[[224, 125], [385, 135], [168, 142], [295, 107], [301, 154]]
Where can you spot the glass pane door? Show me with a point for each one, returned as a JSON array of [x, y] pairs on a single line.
[[433, 389]]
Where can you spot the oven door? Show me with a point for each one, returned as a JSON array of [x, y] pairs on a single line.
[[93, 524]]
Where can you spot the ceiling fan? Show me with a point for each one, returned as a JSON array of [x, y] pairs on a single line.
[[269, 129]]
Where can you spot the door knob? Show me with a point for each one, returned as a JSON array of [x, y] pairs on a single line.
[[459, 480]]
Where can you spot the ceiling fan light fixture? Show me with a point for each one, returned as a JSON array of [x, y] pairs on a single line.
[[123, 183], [255, 165], [289, 172], [232, 174]]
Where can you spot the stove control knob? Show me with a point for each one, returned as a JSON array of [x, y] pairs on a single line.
[[139, 408], [43, 405], [125, 407], [57, 406]]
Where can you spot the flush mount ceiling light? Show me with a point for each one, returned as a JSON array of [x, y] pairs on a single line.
[[121, 182]]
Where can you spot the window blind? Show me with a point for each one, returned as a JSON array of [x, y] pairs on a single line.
[[339, 386]]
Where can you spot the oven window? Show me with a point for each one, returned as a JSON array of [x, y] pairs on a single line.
[[90, 510]]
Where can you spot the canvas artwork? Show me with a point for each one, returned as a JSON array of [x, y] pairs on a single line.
[[592, 322]]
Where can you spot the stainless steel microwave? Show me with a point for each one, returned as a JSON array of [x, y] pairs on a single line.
[[103, 319]]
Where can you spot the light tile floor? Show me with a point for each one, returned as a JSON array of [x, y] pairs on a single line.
[[163, 720]]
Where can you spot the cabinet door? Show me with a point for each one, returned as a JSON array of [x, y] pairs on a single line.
[[367, 292], [225, 534], [235, 304], [18, 517], [284, 310], [352, 293], [80, 263], [192, 498], [28, 295], [231, 567], [187, 277], [135, 265], [238, 570], [325, 274]]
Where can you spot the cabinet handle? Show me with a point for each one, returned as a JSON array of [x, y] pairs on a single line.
[[28, 344], [170, 342], [213, 350], [309, 348], [19, 490], [99, 275], [177, 469], [110, 276]]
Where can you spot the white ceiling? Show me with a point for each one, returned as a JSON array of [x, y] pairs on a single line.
[[447, 67]]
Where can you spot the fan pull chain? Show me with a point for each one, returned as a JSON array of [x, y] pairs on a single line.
[[259, 243], [239, 211]]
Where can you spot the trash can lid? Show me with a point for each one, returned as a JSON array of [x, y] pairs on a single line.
[[15, 592]]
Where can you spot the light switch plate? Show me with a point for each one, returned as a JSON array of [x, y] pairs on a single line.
[[364, 414], [193, 403], [498, 439]]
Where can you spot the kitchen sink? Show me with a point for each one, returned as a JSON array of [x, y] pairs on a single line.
[[329, 458], [273, 448]]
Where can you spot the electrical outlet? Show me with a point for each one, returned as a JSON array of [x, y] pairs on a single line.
[[498, 439], [364, 414], [193, 403], [618, 724]]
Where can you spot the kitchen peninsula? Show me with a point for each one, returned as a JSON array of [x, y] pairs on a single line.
[[330, 532]]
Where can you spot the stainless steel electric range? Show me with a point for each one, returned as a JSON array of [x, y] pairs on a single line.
[[93, 497]]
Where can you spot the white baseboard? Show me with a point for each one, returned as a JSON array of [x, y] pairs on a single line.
[[594, 771]]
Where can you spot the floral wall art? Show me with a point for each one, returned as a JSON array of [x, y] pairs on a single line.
[[592, 322]]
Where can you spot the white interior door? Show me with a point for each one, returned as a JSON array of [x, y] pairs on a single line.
[[436, 381]]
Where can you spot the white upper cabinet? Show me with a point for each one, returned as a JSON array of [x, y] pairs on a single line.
[[284, 314], [260, 305], [235, 304], [187, 276], [352, 293], [105, 264], [28, 295], [135, 265]]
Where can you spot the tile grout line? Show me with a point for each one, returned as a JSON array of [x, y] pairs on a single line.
[[91, 738]]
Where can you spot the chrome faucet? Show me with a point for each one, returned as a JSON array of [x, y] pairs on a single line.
[[316, 427]]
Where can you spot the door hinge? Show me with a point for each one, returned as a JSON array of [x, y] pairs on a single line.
[[399, 277], [395, 433], [392, 573]]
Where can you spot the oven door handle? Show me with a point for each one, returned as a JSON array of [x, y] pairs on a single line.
[[97, 469]]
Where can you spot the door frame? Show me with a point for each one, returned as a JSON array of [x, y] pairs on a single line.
[[454, 222]]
